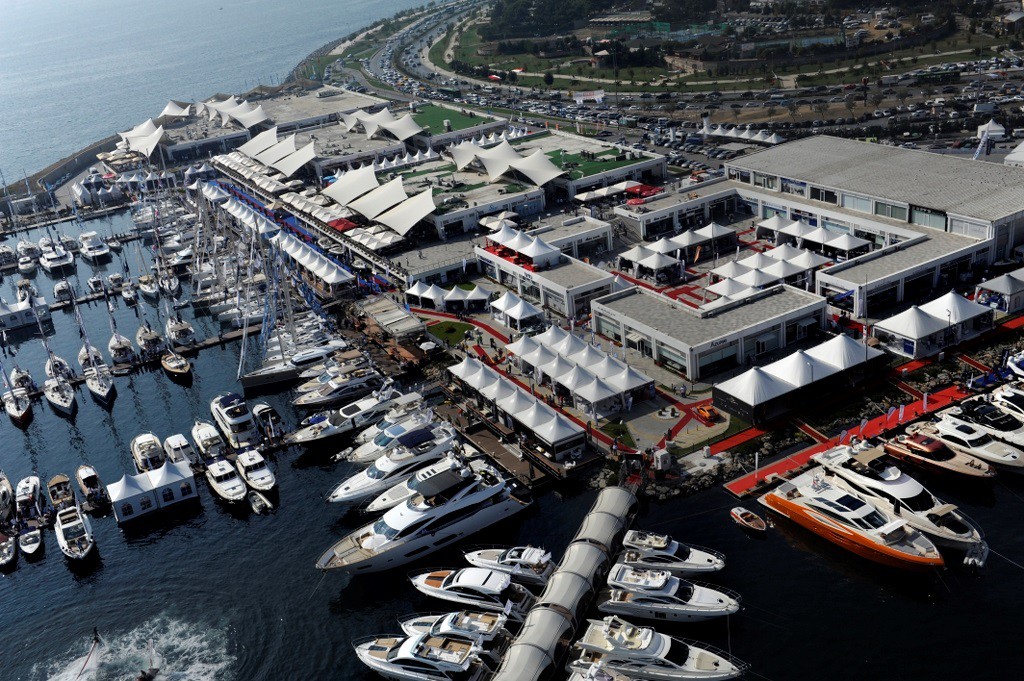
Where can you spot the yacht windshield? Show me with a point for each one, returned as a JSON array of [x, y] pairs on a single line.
[[375, 473], [73, 532], [384, 530], [382, 439], [922, 501]]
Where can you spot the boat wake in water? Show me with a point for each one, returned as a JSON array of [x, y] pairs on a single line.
[[180, 650]]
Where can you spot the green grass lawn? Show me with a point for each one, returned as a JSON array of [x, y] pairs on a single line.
[[605, 161], [620, 431], [433, 117], [450, 332]]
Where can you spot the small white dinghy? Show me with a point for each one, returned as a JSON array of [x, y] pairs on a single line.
[[259, 503]]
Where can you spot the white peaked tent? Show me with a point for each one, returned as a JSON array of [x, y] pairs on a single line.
[[521, 312], [730, 270], [478, 294], [538, 413], [506, 301], [456, 294], [518, 242], [416, 290], [799, 369], [537, 249], [575, 378], [595, 392], [913, 324], [636, 254], [754, 387], [275, 153], [783, 269], [380, 199], [352, 185], [588, 356], [559, 366], [255, 116], [755, 262], [688, 240], [483, 378], [774, 223], [467, 367], [713, 230], [992, 129], [820, 236], [538, 357], [522, 345], [568, 346], [842, 352], [784, 252], [551, 335], [436, 294], [756, 279], [557, 430], [608, 366], [499, 390], [847, 242], [505, 234], [797, 229], [174, 110], [516, 403], [628, 379], [726, 287], [808, 260], [292, 162], [955, 308], [403, 217], [658, 261]]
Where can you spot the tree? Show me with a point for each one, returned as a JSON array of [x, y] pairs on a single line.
[[876, 99], [821, 108], [850, 105], [903, 94], [793, 108], [549, 79], [773, 109]]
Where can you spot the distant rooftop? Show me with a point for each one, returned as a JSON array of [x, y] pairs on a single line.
[[297, 107], [978, 189], [433, 117]]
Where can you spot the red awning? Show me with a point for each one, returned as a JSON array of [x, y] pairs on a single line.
[[341, 224]]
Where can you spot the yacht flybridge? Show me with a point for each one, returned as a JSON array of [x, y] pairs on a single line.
[[422, 657], [661, 552], [658, 595], [478, 588]]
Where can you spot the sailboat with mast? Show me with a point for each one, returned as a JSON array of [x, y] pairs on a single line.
[[120, 347], [98, 377], [17, 402], [58, 389]]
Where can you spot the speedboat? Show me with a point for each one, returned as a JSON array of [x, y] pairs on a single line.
[[990, 419], [225, 482], [422, 657], [92, 487], [8, 549], [74, 533], [269, 422], [175, 364], [259, 503], [347, 387], [658, 595], [60, 492], [26, 265], [208, 441], [120, 349], [147, 452], [427, 522], [179, 450], [62, 292], [30, 541], [179, 332], [56, 259], [747, 519], [95, 284], [527, 564], [148, 286], [870, 474], [60, 395], [850, 522], [352, 416], [289, 369], [481, 627], [433, 476], [232, 416], [395, 467], [408, 432], [151, 345], [661, 552], [642, 653], [93, 249], [961, 436], [478, 588], [254, 471], [928, 453]]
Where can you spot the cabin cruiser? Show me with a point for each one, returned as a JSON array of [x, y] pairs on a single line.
[[27, 249], [269, 422], [961, 436], [92, 487], [657, 594], [528, 565], [61, 395], [147, 452], [62, 292], [95, 284], [93, 248], [422, 657], [225, 482], [56, 259], [432, 476], [358, 414], [322, 379], [232, 416], [395, 467], [179, 450], [870, 474], [254, 471], [481, 627], [115, 280], [661, 552], [26, 265], [404, 407], [208, 441], [179, 332], [148, 286], [930, 454], [436, 517], [74, 533], [289, 370], [478, 588], [642, 653], [349, 386], [60, 492], [850, 522], [990, 419], [120, 349], [28, 501], [408, 432]]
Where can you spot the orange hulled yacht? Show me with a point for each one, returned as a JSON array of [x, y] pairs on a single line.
[[850, 522]]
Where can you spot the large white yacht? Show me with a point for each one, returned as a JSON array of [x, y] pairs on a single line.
[[658, 595], [422, 658], [405, 407], [872, 474], [179, 450], [93, 249], [407, 432], [661, 552], [396, 466], [482, 627], [147, 452], [965, 437], [990, 419], [346, 387], [254, 471], [354, 416], [56, 259], [338, 370], [289, 369], [233, 417], [529, 565], [209, 443], [436, 475], [478, 588], [437, 517], [643, 653], [74, 533], [225, 482]]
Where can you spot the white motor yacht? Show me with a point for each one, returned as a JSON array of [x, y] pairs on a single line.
[[179, 450], [225, 482], [209, 443], [410, 431], [115, 280], [93, 249], [30, 541], [527, 564], [661, 552], [147, 452], [61, 395], [658, 595], [422, 658], [233, 417], [289, 370], [965, 437], [481, 627], [427, 522], [56, 259], [404, 408], [74, 533], [990, 419], [346, 387], [28, 500], [642, 653], [872, 474], [95, 284], [432, 476], [26, 265], [62, 292], [254, 471], [478, 588], [120, 349], [328, 424], [324, 378]]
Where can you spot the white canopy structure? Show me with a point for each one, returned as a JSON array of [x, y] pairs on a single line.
[[730, 270], [756, 279], [847, 242], [505, 301], [774, 223], [755, 387], [915, 324], [726, 287], [400, 128], [756, 261], [954, 308], [502, 159], [522, 345], [992, 130], [842, 352], [522, 311], [174, 111], [688, 240], [379, 200], [800, 369], [809, 261], [292, 162], [352, 185], [311, 260], [403, 217], [797, 229], [783, 269], [260, 142], [467, 367], [713, 230], [273, 154], [137, 495], [636, 254], [784, 252]]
